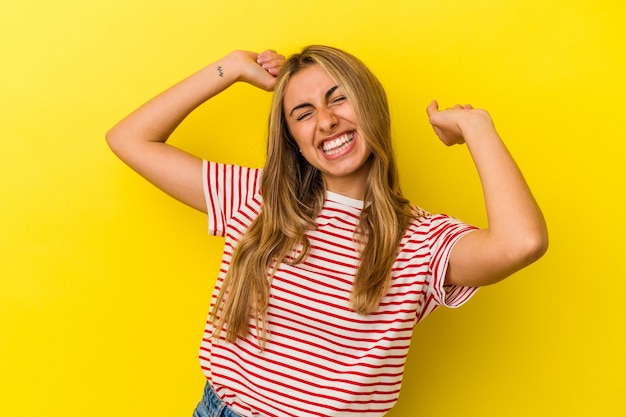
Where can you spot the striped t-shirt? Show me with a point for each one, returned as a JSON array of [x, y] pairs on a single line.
[[322, 358]]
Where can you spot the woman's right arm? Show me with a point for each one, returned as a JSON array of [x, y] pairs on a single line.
[[140, 138]]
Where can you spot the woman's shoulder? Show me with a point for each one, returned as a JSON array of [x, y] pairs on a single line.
[[424, 220]]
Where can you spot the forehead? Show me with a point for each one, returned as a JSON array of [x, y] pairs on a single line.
[[307, 84]]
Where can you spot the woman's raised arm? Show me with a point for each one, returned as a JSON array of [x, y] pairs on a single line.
[[140, 138], [516, 234]]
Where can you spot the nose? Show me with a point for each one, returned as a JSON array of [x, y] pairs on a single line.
[[326, 119]]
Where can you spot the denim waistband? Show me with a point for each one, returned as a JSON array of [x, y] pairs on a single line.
[[214, 405]]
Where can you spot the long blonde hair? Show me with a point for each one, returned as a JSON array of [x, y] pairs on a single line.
[[293, 193]]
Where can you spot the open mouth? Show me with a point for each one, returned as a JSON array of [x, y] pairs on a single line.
[[335, 146]]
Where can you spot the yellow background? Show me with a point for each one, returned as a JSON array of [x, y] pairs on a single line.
[[105, 281]]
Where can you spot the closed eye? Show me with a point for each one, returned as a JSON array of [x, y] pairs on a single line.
[[304, 115]]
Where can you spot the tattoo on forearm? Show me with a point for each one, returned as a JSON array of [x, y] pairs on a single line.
[[220, 70]]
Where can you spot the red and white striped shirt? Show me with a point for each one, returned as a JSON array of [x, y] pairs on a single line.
[[322, 358]]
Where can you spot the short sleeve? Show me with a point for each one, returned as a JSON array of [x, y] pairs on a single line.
[[444, 232], [226, 189]]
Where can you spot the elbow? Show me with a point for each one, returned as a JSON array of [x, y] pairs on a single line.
[[531, 247], [115, 141], [111, 139], [537, 247]]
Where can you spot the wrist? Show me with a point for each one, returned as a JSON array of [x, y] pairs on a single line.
[[475, 122], [227, 69]]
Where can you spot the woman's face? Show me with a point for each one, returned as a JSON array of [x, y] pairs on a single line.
[[323, 123]]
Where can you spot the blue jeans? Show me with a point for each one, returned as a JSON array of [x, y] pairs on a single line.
[[212, 405]]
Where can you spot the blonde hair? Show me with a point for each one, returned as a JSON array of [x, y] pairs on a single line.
[[293, 193]]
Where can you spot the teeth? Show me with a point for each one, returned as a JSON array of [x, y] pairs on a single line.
[[335, 146]]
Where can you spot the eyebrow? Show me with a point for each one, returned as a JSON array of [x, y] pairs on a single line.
[[329, 93]]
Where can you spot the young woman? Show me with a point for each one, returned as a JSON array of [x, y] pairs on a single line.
[[326, 266]]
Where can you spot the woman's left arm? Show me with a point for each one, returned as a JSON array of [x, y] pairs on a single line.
[[516, 235]]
